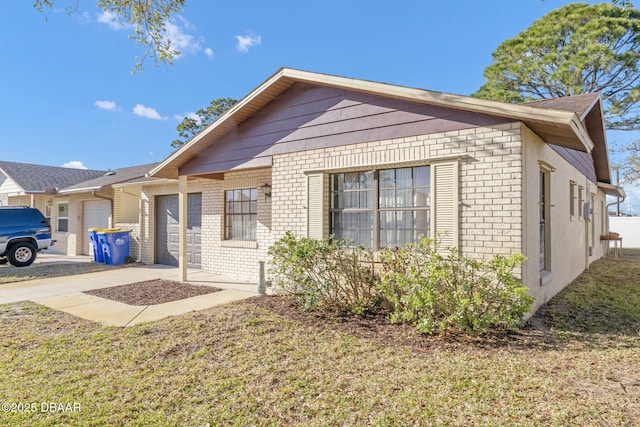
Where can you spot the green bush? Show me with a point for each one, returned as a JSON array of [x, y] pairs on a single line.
[[438, 291], [325, 273], [434, 290]]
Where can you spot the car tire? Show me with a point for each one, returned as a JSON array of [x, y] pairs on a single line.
[[22, 254]]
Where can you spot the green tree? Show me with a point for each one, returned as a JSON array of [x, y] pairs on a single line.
[[576, 49], [190, 127], [147, 20]]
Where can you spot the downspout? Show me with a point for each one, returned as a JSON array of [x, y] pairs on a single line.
[[94, 194], [617, 202], [140, 217]]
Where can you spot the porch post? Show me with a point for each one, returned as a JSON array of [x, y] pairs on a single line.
[[182, 235]]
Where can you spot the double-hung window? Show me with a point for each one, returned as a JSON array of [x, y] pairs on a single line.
[[572, 201], [241, 214], [63, 217], [352, 207], [382, 208], [545, 216]]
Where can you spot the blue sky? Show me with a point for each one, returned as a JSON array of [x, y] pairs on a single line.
[[68, 97]]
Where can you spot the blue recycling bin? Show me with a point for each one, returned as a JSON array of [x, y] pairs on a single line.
[[115, 245], [98, 255]]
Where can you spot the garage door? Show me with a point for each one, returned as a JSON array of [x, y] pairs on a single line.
[[167, 230], [96, 215]]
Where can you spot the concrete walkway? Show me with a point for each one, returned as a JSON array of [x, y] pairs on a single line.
[[66, 294]]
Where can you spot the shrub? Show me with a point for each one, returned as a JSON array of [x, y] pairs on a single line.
[[325, 273], [438, 292]]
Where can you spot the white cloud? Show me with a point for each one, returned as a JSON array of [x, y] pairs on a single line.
[[177, 31], [180, 39], [247, 41], [190, 115], [147, 112], [74, 164], [106, 105], [111, 19]]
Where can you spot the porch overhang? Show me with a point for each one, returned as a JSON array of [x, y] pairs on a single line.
[[612, 190]]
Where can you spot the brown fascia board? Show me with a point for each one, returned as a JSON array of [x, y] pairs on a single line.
[[271, 88]]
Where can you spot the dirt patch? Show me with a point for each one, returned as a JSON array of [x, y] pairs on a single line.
[[377, 327], [152, 292]]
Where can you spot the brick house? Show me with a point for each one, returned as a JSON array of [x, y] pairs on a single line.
[[380, 164]]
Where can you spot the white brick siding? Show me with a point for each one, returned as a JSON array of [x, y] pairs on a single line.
[[490, 175]]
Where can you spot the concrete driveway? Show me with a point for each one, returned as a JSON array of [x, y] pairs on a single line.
[[46, 258], [66, 293]]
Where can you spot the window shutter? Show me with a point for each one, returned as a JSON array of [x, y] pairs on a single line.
[[315, 205], [445, 203]]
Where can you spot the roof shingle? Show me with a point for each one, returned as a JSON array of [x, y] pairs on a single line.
[[117, 176], [37, 178]]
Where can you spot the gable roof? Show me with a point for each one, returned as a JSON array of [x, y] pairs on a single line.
[[579, 104], [565, 128], [34, 179], [129, 175], [589, 108]]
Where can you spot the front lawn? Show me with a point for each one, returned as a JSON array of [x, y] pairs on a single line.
[[260, 363]]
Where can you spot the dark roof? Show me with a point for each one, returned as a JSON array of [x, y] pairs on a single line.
[[39, 178], [129, 175], [579, 104], [588, 107]]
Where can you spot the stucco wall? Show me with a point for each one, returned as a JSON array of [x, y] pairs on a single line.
[[571, 237]]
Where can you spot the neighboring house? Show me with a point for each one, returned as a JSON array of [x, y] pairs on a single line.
[[29, 181], [111, 200], [382, 164], [75, 199], [24, 184]]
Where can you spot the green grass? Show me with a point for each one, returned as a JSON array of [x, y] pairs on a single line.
[[241, 364], [606, 299]]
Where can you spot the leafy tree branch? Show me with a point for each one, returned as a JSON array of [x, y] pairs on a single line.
[[147, 20], [576, 49]]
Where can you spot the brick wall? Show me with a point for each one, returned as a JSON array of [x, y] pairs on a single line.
[[233, 258], [490, 160]]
